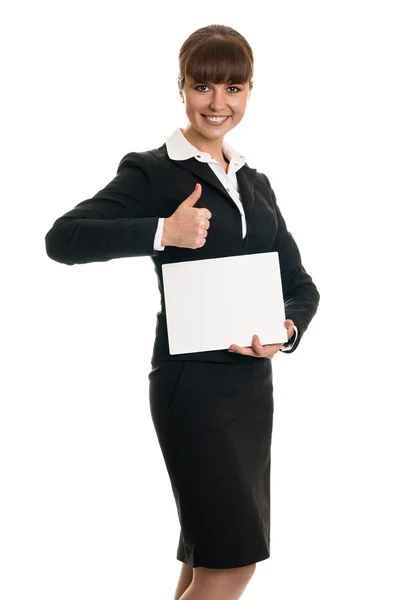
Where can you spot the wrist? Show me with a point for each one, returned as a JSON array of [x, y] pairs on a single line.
[[166, 232]]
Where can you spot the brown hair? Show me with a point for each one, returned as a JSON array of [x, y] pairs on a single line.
[[216, 54]]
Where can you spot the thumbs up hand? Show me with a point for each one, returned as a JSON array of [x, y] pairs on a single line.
[[187, 227]]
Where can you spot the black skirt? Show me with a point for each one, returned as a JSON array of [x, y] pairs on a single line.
[[214, 424]]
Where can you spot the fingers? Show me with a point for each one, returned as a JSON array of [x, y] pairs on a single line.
[[257, 346], [256, 349], [269, 350]]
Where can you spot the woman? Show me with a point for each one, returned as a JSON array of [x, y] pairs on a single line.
[[193, 198]]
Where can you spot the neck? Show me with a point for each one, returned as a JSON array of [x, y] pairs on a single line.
[[213, 147]]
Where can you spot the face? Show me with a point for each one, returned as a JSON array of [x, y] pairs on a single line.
[[213, 100]]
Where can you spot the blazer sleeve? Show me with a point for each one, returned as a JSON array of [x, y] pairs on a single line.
[[300, 294], [118, 221]]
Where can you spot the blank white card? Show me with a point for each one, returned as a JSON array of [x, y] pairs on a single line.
[[213, 303]]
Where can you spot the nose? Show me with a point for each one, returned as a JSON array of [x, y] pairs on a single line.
[[217, 101]]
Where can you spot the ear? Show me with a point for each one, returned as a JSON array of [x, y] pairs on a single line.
[[250, 89]]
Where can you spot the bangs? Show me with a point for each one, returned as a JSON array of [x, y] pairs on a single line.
[[219, 60]]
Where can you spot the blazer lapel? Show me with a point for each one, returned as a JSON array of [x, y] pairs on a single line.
[[202, 171]]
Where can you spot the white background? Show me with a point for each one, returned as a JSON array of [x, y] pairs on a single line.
[[87, 510]]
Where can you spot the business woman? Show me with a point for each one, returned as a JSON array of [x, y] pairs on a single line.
[[195, 197]]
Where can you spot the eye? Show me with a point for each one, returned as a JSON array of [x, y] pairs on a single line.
[[234, 87]]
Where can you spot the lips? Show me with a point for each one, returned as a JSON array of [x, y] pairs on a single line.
[[215, 123]]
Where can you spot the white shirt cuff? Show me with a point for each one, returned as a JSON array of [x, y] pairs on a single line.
[[286, 348], [158, 236]]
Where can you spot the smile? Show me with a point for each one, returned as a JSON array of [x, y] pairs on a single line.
[[215, 120]]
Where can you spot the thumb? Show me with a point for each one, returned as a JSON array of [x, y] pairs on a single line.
[[289, 323], [194, 196]]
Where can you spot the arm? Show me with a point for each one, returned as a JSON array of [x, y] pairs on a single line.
[[118, 221], [300, 294]]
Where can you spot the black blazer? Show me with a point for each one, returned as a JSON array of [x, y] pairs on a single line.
[[122, 218]]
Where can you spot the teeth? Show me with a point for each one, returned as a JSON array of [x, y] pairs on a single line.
[[216, 119]]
